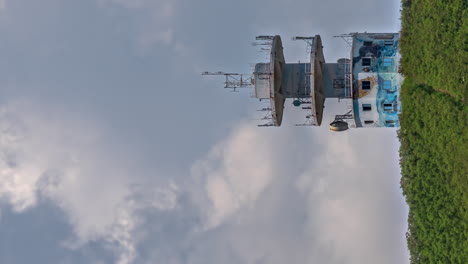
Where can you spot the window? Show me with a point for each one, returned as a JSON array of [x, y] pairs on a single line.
[[366, 61], [387, 62], [388, 42], [365, 85], [390, 122], [368, 122], [388, 107], [387, 85], [383, 37], [366, 107], [367, 43]]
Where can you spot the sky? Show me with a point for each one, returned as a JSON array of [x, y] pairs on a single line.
[[114, 149]]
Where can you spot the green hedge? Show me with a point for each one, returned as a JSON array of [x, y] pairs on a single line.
[[434, 164], [433, 133], [434, 44]]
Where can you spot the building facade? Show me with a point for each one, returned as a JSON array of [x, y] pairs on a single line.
[[376, 79]]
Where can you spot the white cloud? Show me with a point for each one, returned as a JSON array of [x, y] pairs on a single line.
[[264, 195], [268, 197], [354, 205], [261, 199], [234, 173], [343, 207], [67, 161]]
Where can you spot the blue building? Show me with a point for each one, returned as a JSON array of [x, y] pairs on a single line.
[[376, 79]]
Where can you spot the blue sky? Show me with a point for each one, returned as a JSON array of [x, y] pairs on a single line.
[[113, 148]]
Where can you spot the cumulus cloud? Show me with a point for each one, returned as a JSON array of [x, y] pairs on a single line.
[[259, 195], [65, 160], [286, 195], [234, 173], [336, 201], [354, 204]]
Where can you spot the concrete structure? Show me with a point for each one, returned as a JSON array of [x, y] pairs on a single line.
[[369, 78], [376, 80]]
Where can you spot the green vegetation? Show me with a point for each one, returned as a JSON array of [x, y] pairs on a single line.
[[433, 134]]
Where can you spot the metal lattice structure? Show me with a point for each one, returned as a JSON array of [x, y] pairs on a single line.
[[233, 80]]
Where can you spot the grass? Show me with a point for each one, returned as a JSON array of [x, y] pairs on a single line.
[[433, 134]]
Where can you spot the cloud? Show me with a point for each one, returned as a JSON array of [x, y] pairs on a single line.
[[268, 200], [48, 156], [257, 196], [234, 173], [132, 4], [155, 23], [354, 204], [151, 38], [286, 195]]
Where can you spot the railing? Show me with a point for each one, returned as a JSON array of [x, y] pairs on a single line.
[[348, 75], [307, 79]]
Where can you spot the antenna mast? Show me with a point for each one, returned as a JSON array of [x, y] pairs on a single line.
[[234, 80]]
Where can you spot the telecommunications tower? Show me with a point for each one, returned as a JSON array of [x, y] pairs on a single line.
[[369, 79]]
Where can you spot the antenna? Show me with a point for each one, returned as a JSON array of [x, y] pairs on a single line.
[[265, 109], [264, 37], [234, 80], [309, 121], [348, 38], [308, 40], [348, 115], [266, 125]]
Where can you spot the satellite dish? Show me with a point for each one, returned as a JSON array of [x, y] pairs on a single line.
[[297, 102], [338, 126]]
